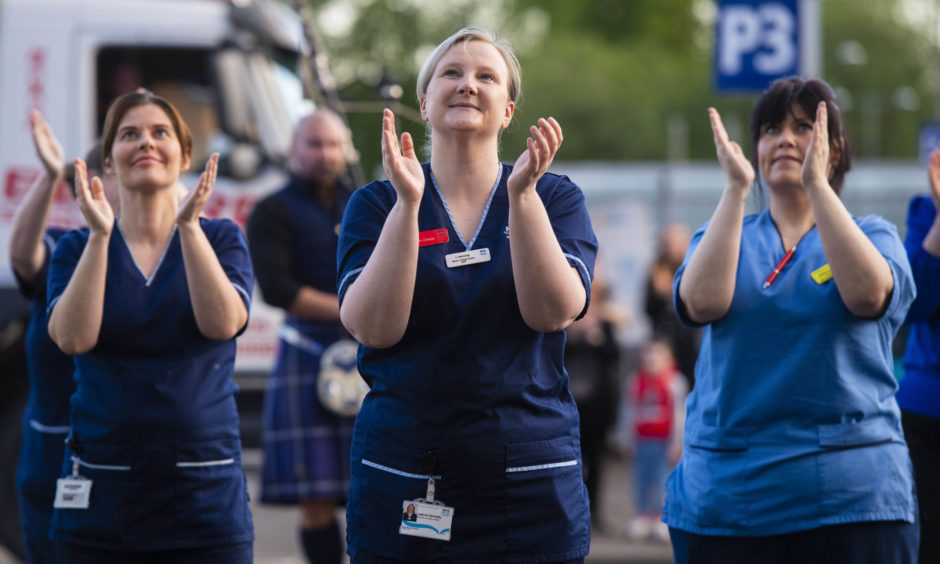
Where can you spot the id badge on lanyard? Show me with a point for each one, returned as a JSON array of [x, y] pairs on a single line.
[[426, 517], [73, 492]]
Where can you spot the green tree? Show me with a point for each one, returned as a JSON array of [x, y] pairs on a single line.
[[616, 72]]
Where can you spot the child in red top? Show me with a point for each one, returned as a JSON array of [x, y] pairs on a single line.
[[650, 430]]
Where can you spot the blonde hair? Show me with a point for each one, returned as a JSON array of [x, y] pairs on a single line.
[[473, 33]]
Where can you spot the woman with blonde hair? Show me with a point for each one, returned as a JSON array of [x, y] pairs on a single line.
[[458, 278]]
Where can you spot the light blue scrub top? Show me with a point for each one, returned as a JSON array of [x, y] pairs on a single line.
[[793, 424]]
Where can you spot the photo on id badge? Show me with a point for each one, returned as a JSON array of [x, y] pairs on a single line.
[[428, 520]]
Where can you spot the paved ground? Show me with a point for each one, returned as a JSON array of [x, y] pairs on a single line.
[[276, 527]]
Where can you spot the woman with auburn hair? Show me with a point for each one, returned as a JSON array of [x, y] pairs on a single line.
[[150, 303]]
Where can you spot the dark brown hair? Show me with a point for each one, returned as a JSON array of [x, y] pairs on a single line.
[[124, 103], [776, 102], [92, 160]]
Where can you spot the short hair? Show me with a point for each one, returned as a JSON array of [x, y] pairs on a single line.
[[328, 113], [126, 102], [92, 159], [467, 34], [775, 103]]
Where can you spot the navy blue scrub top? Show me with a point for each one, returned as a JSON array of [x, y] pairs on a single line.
[[471, 383], [46, 421], [154, 407], [293, 239], [920, 388]]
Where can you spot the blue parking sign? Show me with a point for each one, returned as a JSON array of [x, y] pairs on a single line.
[[757, 42]]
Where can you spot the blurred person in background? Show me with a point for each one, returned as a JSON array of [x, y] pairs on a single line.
[[650, 423], [459, 277], [292, 235], [150, 303], [919, 391], [592, 360], [673, 244], [793, 449], [46, 420]]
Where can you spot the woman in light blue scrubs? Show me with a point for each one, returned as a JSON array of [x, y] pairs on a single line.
[[150, 303], [459, 277], [793, 445]]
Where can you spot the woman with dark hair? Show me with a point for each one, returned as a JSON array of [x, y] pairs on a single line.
[[793, 444], [150, 303]]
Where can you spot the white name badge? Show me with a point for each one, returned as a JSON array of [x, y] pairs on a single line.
[[72, 493], [467, 257], [428, 520]]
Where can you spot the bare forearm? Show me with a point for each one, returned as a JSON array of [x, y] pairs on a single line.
[[377, 304], [931, 242], [219, 309], [315, 305], [708, 281], [27, 252], [75, 322], [860, 272], [550, 292]]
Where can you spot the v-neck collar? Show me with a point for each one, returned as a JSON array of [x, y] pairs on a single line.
[[450, 215], [156, 268], [776, 229]]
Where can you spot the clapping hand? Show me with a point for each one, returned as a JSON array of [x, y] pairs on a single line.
[[92, 202], [196, 199], [816, 162], [47, 145], [933, 173], [541, 148], [400, 163], [737, 168]]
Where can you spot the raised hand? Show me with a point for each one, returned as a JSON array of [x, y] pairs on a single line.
[[541, 148], [196, 199], [933, 173], [47, 145], [400, 163], [92, 202], [737, 168], [816, 162]]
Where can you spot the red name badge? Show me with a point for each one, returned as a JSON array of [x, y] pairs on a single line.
[[432, 237]]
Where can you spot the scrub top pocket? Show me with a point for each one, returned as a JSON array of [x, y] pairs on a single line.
[[381, 481], [40, 457], [711, 467], [855, 467], [211, 501], [546, 500], [105, 522]]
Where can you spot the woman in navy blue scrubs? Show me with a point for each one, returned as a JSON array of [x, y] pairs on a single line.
[[458, 277], [919, 392], [150, 304], [793, 445], [46, 419]]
